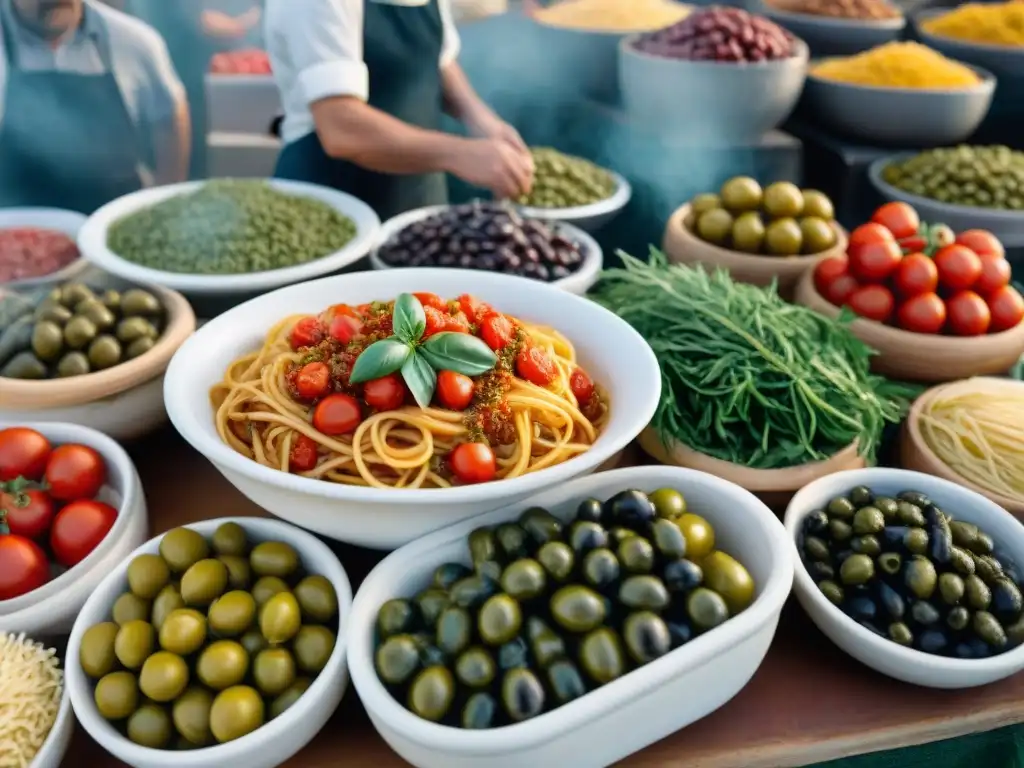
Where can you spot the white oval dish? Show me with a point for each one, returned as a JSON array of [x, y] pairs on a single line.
[[51, 753], [51, 609], [589, 217], [273, 743], [621, 717], [92, 240], [579, 282], [57, 219], [879, 653], [615, 356]]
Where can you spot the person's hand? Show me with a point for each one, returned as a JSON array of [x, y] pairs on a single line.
[[497, 165], [217, 24], [489, 126]]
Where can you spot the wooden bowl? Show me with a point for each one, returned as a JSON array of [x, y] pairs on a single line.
[[915, 453], [19, 395], [775, 487], [920, 356], [684, 247]]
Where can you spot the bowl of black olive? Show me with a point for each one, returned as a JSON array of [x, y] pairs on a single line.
[[912, 575], [490, 236], [556, 625]]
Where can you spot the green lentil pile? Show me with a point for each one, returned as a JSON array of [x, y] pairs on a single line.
[[230, 227], [564, 181], [982, 177]]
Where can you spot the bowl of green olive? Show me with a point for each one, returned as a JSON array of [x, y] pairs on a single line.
[[219, 643], [912, 575], [91, 354]]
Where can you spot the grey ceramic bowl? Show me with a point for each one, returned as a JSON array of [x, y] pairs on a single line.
[[827, 36], [904, 117], [1008, 226], [590, 55], [1000, 60], [718, 102]]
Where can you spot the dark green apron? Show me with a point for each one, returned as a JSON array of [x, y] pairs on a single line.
[[402, 50], [66, 139]]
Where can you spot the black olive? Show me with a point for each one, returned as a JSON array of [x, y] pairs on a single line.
[[863, 608], [941, 540], [430, 654], [924, 613], [430, 603], [454, 630], [512, 541], [475, 667], [871, 628], [585, 536], [668, 539], [565, 681], [397, 659], [513, 654], [545, 643], [646, 637], [932, 641], [479, 711], [396, 617], [1006, 599], [893, 535], [522, 694], [914, 498], [631, 509], [680, 632], [815, 523], [683, 575], [861, 496], [558, 559], [891, 600], [483, 546], [471, 591], [958, 618], [818, 570], [840, 530], [1015, 632], [636, 555], [601, 567], [541, 525]]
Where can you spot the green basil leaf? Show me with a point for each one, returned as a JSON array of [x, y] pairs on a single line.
[[409, 320], [458, 352], [421, 378], [379, 359]]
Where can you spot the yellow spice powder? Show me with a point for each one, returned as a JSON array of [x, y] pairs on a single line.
[[899, 65], [987, 23], [613, 15]]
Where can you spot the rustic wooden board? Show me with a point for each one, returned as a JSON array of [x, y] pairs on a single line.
[[807, 703]]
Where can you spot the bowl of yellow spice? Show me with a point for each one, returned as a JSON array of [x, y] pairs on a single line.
[[989, 35], [899, 94]]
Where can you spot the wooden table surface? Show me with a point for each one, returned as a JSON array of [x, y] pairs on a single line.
[[807, 703]]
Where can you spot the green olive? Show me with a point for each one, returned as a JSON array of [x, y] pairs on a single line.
[[951, 588], [147, 575], [668, 503], [541, 525], [601, 655], [222, 664], [644, 593], [54, 313], [726, 576], [239, 572], [182, 548], [129, 607], [900, 634], [289, 697], [274, 558], [111, 300], [715, 226], [150, 726], [748, 232], [104, 352], [818, 205], [636, 555], [977, 592], [266, 587], [782, 237], [313, 646], [741, 193], [396, 659], [79, 332], [317, 598], [204, 582], [96, 653], [97, 313], [134, 328], [164, 676], [280, 618], [783, 199], [987, 627], [557, 558], [273, 670], [232, 613], [134, 643], [253, 641], [706, 609], [183, 631], [705, 202], [191, 715], [431, 693], [841, 507], [47, 340], [167, 601], [499, 619], [73, 294], [577, 608], [868, 520], [230, 539], [24, 365], [857, 569], [236, 712], [138, 302], [920, 577], [116, 695], [73, 364], [832, 591], [475, 667], [817, 234]]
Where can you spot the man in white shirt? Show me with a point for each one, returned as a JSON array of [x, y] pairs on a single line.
[[365, 84], [90, 106]]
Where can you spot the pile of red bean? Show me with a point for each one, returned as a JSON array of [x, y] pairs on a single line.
[[720, 34], [27, 252], [250, 61]]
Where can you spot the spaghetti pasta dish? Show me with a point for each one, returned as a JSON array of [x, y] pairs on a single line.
[[419, 392], [31, 683]]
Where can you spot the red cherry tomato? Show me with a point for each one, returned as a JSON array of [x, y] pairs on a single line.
[[473, 308], [303, 454], [981, 242], [535, 365], [497, 331], [915, 275], [27, 513], [437, 321], [874, 302], [923, 313], [386, 393], [968, 314], [23, 453], [306, 333], [457, 323], [337, 414], [75, 472], [581, 385], [899, 218], [473, 463], [995, 273], [432, 300], [874, 262], [828, 270], [1007, 308], [454, 390], [868, 233], [23, 566], [313, 380], [841, 289], [344, 328], [79, 528], [959, 267]]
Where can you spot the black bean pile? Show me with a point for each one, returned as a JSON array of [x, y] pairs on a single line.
[[720, 34], [906, 570], [487, 236]]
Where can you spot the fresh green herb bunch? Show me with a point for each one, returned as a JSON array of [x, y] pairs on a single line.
[[230, 226], [746, 377]]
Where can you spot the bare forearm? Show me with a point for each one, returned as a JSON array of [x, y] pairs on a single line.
[[460, 100], [352, 130], [172, 142]]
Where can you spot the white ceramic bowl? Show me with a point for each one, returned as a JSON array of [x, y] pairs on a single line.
[[278, 739], [51, 754], [579, 282], [907, 664], [592, 216], [92, 241], [56, 219], [610, 350], [626, 715], [52, 609]]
